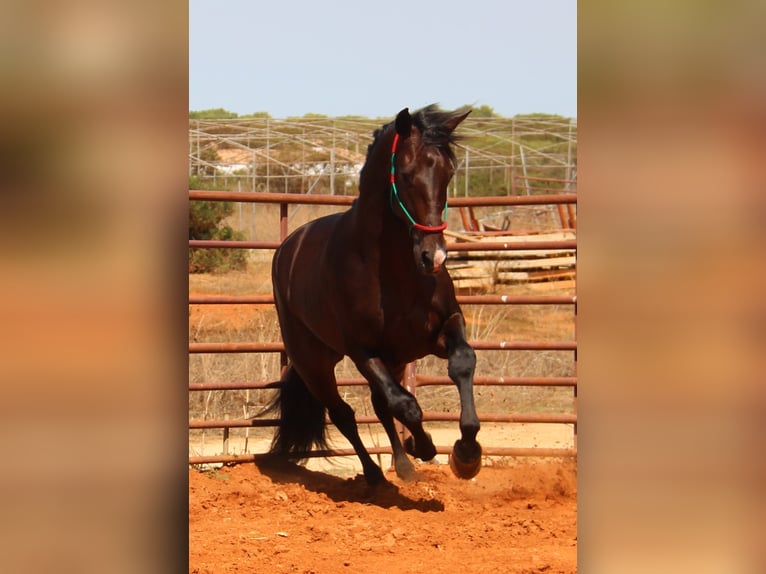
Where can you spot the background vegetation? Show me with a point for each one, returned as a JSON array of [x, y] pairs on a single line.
[[206, 221], [293, 155]]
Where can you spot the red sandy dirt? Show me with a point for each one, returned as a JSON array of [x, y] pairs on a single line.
[[509, 519]]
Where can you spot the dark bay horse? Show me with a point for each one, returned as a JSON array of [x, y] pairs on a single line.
[[370, 283]]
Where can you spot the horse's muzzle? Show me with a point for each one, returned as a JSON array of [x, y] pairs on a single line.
[[430, 252], [432, 262]]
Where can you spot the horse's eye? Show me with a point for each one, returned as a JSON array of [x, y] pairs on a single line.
[[406, 177]]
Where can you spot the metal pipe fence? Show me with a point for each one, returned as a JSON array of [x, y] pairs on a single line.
[[413, 380]]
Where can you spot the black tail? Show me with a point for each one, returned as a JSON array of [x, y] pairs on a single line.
[[301, 419]]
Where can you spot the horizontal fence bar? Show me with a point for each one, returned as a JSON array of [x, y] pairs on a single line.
[[235, 386], [232, 423], [461, 246], [420, 381], [236, 347], [461, 299], [231, 244], [302, 198], [231, 299], [243, 385], [512, 245], [427, 416], [517, 299], [260, 385], [263, 197], [523, 345], [560, 418], [486, 451], [531, 178], [251, 347], [494, 201], [431, 380]]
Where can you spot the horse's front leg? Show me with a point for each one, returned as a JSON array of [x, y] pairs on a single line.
[[465, 460], [403, 465], [402, 405]]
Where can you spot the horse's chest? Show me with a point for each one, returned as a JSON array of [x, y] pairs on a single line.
[[409, 324]]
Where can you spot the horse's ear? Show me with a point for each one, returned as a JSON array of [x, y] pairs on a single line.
[[403, 123], [458, 117]]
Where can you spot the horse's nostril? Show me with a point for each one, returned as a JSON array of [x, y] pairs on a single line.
[[427, 260]]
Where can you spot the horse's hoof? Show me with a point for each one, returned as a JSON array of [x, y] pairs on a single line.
[[405, 469], [418, 450], [465, 462]]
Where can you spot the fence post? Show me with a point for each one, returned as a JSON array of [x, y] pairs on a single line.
[[283, 220]]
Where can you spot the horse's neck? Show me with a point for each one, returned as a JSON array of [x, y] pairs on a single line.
[[378, 232], [372, 209]]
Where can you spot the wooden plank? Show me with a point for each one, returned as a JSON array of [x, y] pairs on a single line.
[[472, 273], [562, 235], [559, 235], [541, 263], [461, 236], [473, 283], [525, 276], [505, 255], [485, 269]]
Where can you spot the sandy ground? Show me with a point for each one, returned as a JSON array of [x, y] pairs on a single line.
[[516, 518]]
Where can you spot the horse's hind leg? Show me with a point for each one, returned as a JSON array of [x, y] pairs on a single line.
[[315, 363], [403, 465], [342, 416], [324, 387], [320, 378]]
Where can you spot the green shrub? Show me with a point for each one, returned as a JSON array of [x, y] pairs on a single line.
[[206, 222]]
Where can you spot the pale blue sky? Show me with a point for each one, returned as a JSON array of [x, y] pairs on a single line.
[[353, 57]]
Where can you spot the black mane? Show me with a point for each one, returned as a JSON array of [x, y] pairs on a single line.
[[432, 124]]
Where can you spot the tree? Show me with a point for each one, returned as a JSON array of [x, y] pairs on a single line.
[[483, 111], [212, 114]]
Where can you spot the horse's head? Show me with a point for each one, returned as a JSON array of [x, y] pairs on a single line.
[[422, 165]]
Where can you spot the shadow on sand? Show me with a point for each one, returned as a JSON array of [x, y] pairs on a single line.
[[385, 495]]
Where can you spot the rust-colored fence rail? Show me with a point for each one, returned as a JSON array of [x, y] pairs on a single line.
[[413, 380]]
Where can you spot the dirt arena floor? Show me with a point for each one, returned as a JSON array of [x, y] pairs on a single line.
[[517, 518]]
